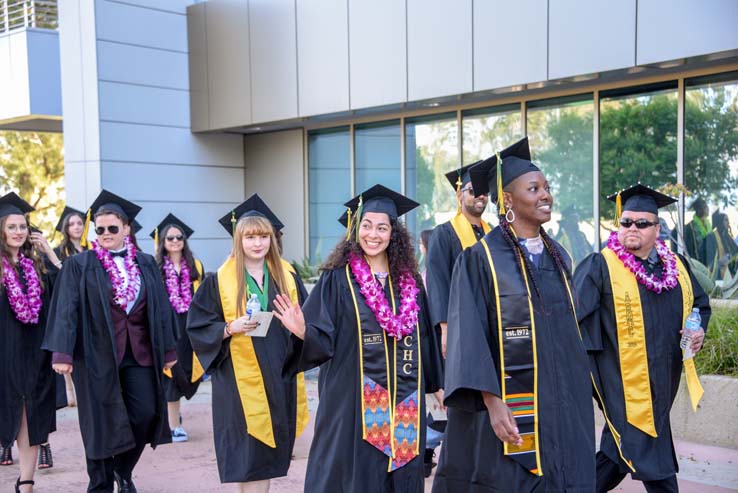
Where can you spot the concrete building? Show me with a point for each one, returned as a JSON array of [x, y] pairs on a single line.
[[189, 106]]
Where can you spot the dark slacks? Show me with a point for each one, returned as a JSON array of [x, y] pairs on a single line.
[[609, 476], [138, 385]]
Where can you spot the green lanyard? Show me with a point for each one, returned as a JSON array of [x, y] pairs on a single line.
[[253, 288]]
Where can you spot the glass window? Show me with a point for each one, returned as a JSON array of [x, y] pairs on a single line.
[[489, 130], [711, 174], [638, 143], [561, 139], [329, 174], [431, 150], [377, 155]]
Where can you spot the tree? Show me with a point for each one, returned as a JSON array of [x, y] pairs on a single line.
[[32, 165]]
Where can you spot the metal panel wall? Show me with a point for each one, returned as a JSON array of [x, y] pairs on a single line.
[[322, 56], [273, 59], [588, 36], [505, 54], [671, 29], [439, 48], [377, 52]]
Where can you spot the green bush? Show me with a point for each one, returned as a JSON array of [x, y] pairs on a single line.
[[719, 355]]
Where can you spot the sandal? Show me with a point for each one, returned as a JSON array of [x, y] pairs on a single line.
[[20, 483], [6, 456], [45, 460]]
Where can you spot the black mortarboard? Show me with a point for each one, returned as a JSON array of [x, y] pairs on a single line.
[[109, 202], [171, 220], [136, 226], [381, 199], [640, 198], [515, 162], [463, 173], [253, 206], [10, 203], [66, 212], [344, 219]]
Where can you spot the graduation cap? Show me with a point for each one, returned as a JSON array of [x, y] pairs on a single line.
[[253, 206], [171, 220], [136, 226], [11, 203], [639, 198], [66, 213], [377, 199], [115, 204], [460, 177], [496, 172]]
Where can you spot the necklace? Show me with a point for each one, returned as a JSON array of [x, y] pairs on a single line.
[[394, 325], [124, 289], [669, 279], [26, 306], [178, 286]]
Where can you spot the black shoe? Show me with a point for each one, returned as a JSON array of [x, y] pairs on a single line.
[[6, 456], [45, 460], [20, 483], [125, 485], [428, 463]]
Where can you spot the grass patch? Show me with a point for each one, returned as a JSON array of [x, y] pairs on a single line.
[[719, 355]]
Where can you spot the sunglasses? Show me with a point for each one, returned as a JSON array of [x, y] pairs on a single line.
[[639, 223], [113, 230], [175, 238]]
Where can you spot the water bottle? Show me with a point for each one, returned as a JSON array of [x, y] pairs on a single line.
[[694, 323], [253, 305]]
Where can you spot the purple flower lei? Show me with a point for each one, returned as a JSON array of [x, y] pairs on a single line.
[[398, 325], [125, 292], [26, 306], [650, 281], [180, 295]]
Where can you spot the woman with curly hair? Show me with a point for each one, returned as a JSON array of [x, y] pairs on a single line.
[[182, 274], [518, 386], [366, 324], [27, 384]]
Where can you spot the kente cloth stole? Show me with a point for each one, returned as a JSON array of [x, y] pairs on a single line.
[[518, 358], [390, 403], [632, 349], [464, 230], [249, 378], [197, 369]]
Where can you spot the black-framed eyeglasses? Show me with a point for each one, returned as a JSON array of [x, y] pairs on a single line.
[[639, 223], [175, 238], [113, 230], [468, 189]]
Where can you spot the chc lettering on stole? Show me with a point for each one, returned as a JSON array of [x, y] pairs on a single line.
[[407, 355]]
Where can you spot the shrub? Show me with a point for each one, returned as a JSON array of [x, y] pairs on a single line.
[[719, 355]]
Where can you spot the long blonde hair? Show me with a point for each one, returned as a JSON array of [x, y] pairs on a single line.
[[255, 225]]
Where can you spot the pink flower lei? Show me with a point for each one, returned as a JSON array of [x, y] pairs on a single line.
[[125, 292], [178, 287], [27, 306], [650, 281], [398, 325]]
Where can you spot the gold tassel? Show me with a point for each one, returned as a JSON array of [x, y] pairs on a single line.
[[357, 217], [83, 241], [348, 224], [500, 199], [233, 223], [618, 209], [458, 197], [156, 239]]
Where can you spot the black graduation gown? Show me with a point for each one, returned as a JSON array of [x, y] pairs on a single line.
[[653, 458], [181, 384], [240, 456], [709, 251], [340, 460], [472, 459], [81, 325], [25, 372]]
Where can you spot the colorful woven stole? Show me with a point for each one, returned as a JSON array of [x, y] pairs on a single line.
[[246, 369], [518, 358], [465, 231], [390, 426], [632, 349]]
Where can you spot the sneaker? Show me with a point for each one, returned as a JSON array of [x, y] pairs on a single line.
[[179, 435]]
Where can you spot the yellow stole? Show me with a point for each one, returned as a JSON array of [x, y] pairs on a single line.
[[632, 349], [197, 369], [464, 230], [249, 379]]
